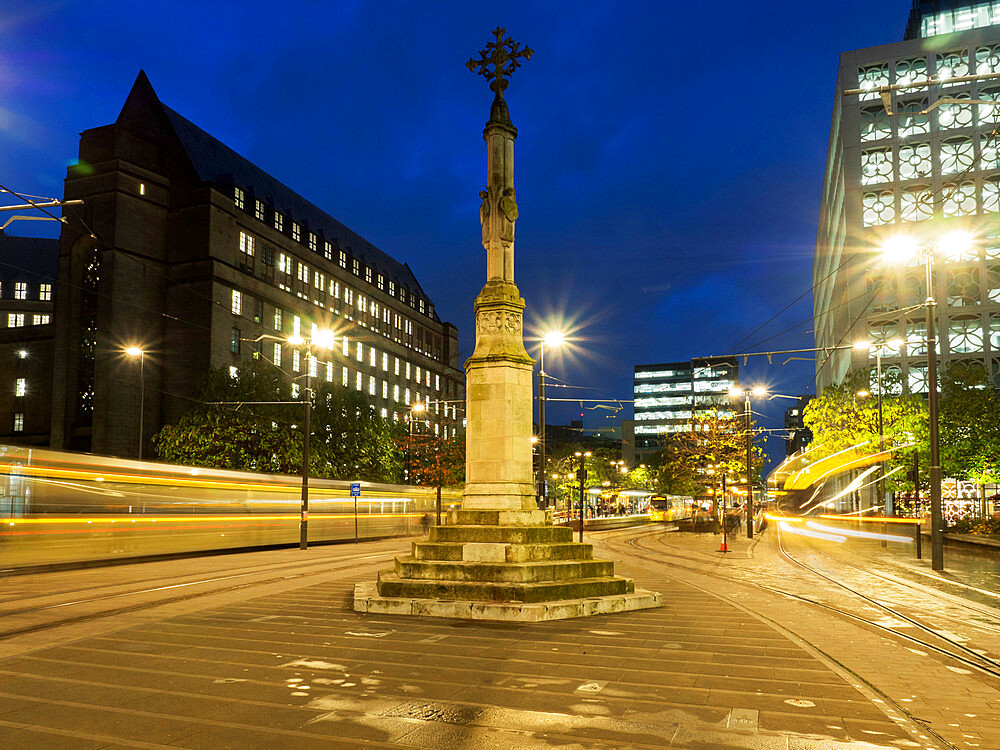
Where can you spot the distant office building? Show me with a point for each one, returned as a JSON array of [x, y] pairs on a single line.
[[668, 396], [907, 161], [27, 286], [798, 435], [203, 260]]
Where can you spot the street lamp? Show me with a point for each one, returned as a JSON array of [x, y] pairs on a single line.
[[324, 339], [892, 344], [581, 474], [899, 249], [552, 339], [135, 351], [759, 392]]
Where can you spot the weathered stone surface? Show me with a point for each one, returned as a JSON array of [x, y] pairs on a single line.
[[502, 572], [505, 534], [367, 599], [514, 552], [391, 585]]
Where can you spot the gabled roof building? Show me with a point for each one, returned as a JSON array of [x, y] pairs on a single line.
[[192, 253]]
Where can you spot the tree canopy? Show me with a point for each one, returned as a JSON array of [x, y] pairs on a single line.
[[969, 424], [348, 439]]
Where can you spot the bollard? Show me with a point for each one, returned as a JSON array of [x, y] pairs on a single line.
[[916, 531]]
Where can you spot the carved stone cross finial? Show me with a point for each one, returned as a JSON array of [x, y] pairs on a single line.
[[503, 55]]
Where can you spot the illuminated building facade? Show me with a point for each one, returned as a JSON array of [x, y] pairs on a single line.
[[668, 396], [927, 169], [189, 251]]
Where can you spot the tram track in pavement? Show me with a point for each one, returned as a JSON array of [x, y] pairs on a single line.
[[970, 659], [302, 570]]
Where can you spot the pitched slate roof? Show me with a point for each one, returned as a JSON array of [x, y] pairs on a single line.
[[217, 164]]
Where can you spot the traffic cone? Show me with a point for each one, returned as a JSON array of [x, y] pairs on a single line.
[[722, 546]]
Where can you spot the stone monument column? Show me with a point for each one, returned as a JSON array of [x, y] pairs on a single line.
[[498, 466]]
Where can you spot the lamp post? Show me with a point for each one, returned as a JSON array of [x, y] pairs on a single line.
[[581, 475], [903, 248], [323, 338], [736, 392], [135, 351], [552, 339], [895, 344]]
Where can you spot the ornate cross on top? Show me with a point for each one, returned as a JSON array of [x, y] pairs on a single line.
[[503, 55]]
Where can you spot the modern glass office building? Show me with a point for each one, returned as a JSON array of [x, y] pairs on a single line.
[[915, 151], [669, 396]]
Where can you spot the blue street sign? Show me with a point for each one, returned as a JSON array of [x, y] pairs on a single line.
[[355, 489]]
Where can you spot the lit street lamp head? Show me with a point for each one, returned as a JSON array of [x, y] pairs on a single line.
[[553, 339], [134, 351], [418, 407]]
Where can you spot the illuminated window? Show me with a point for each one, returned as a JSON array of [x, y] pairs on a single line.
[[959, 200], [258, 210], [342, 259], [876, 166], [329, 372], [878, 208], [437, 382], [965, 334], [917, 378], [40, 319], [871, 78], [296, 232], [356, 266], [20, 387], [358, 381], [347, 347], [381, 281], [963, 287], [312, 242], [396, 371], [913, 118], [385, 361], [142, 188], [19, 421], [296, 325], [406, 396], [392, 289], [246, 244], [952, 64], [234, 341], [916, 338], [372, 356], [45, 292], [917, 203], [239, 197], [910, 71], [15, 320], [277, 318], [296, 360], [991, 196], [359, 352], [914, 161], [368, 274], [279, 221], [395, 393], [237, 303], [956, 156], [345, 378], [955, 115], [276, 353], [989, 114], [20, 290], [371, 385], [385, 388], [313, 365]]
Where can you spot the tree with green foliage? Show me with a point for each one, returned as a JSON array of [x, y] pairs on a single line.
[[251, 422], [433, 461], [693, 461], [845, 416], [969, 424]]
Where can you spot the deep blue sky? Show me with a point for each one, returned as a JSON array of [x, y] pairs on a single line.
[[668, 169]]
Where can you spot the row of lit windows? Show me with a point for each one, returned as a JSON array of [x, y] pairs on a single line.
[[921, 202], [947, 65], [296, 277], [312, 241], [18, 320], [916, 376], [649, 374], [918, 160], [964, 334], [974, 16], [21, 291]]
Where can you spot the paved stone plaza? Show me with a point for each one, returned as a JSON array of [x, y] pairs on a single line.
[[288, 664]]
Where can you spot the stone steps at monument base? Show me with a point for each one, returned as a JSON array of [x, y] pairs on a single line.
[[513, 552], [502, 534], [391, 585], [533, 572], [499, 518]]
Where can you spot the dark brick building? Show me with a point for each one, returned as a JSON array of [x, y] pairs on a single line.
[[187, 250]]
